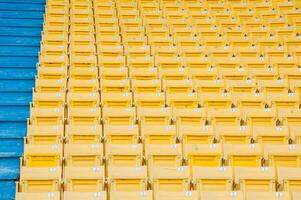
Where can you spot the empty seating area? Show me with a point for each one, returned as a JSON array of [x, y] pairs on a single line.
[[166, 100]]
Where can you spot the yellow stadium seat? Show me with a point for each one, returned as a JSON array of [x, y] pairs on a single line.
[[121, 134], [189, 117], [284, 62], [283, 100], [289, 116], [295, 133], [45, 134], [84, 179], [168, 62], [81, 100], [84, 116], [267, 195], [162, 51], [172, 74], [40, 180], [110, 51], [53, 61], [203, 73], [170, 179], [154, 116], [271, 134], [108, 40], [190, 134], [83, 155], [148, 100], [220, 52], [213, 178], [119, 116], [42, 155], [250, 100], [115, 86], [127, 195], [119, 154], [38, 195], [187, 195], [85, 195], [203, 155], [82, 61], [263, 73], [217, 195], [249, 52], [224, 116], [113, 73], [286, 155], [233, 134], [159, 134], [133, 41], [192, 51], [140, 62], [255, 179], [163, 155], [83, 86], [208, 86], [143, 51], [243, 155], [215, 100], [217, 41], [240, 87], [291, 74], [144, 74], [289, 178], [177, 86], [78, 134], [46, 116], [182, 100], [83, 73], [260, 117], [50, 85], [135, 179], [116, 100], [198, 62], [111, 62]]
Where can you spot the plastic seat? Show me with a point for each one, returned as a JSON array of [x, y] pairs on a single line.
[[187, 195], [226, 63], [260, 117], [208, 86], [84, 116], [283, 100], [78, 134], [81, 100], [182, 100], [163, 155], [212, 178], [295, 133], [248, 52], [170, 179], [37, 196], [133, 41], [243, 155], [285, 155], [290, 74], [53, 61], [83, 73], [233, 73], [161, 52], [159, 134], [255, 179], [124, 155], [224, 116], [119, 116], [108, 40], [135, 179], [39, 180], [144, 195], [233, 134], [46, 116], [143, 51], [217, 195], [85, 195], [271, 134], [284, 62], [149, 100], [190, 134], [267, 195], [289, 178], [140, 62], [198, 63], [83, 155], [44, 134], [177, 86], [143, 87], [168, 62], [115, 86], [43, 155], [203, 155], [250, 100], [174, 74], [240, 88], [48, 85], [144, 74], [189, 117], [290, 117], [215, 100], [154, 116], [116, 100], [111, 62], [203, 73], [121, 134], [83, 86], [84, 179], [113, 73], [110, 51]]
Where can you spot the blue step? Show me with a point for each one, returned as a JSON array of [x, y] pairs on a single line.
[[21, 22], [25, 1], [15, 40], [9, 167], [20, 31], [25, 62], [15, 98], [20, 14], [14, 113], [12, 130], [16, 85], [18, 51], [7, 190], [20, 7], [17, 73]]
